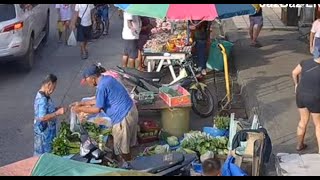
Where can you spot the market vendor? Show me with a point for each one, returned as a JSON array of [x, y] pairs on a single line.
[[45, 116], [113, 99], [201, 35]]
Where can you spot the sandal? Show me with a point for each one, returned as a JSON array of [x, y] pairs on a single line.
[[303, 147]]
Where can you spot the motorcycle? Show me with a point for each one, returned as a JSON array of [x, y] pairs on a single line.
[[171, 164], [201, 97]]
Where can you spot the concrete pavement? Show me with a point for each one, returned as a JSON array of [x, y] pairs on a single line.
[[271, 20], [265, 75]]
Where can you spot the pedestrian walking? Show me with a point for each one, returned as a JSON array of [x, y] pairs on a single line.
[[84, 19], [306, 77], [64, 19], [130, 34], [315, 37], [256, 24], [45, 116]]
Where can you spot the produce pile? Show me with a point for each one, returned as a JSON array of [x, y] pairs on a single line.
[[161, 39], [221, 122], [67, 143], [203, 142]]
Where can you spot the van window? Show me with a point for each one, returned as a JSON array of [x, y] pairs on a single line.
[[7, 12]]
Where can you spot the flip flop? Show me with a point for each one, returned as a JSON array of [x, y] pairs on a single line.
[[304, 146]]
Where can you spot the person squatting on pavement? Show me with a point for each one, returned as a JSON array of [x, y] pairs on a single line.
[[306, 77], [113, 99], [84, 28], [45, 116], [64, 19], [130, 34]]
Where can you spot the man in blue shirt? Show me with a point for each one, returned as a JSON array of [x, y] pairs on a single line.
[[113, 99]]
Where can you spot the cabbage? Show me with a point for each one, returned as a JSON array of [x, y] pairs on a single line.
[[173, 141], [161, 149]]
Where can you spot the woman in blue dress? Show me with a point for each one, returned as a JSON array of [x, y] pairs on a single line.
[[46, 114]]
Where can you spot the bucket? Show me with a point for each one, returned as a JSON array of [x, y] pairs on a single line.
[[215, 59], [175, 121]]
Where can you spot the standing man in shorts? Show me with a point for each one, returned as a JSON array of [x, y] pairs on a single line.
[[256, 23], [113, 99], [84, 29], [130, 34]]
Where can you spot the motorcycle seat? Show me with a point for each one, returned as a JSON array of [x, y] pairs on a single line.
[[142, 75], [156, 163]]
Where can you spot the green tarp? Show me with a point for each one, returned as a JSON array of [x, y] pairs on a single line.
[[52, 165]]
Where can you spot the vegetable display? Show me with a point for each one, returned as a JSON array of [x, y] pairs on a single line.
[[67, 143], [173, 141], [222, 122], [203, 142]]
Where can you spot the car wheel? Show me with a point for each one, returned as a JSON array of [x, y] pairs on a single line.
[[47, 29], [28, 59]]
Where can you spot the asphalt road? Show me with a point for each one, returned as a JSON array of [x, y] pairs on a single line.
[[17, 90]]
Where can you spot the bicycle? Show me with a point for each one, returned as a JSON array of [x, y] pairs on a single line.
[[101, 26]]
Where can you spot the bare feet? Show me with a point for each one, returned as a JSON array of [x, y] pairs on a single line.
[[301, 147]]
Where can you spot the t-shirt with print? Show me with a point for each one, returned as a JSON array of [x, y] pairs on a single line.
[[84, 14], [316, 28], [127, 34], [65, 11], [113, 98]]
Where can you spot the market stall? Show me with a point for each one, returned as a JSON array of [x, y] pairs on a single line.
[[169, 42]]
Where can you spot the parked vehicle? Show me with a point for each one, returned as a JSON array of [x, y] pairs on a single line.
[[22, 28], [203, 102]]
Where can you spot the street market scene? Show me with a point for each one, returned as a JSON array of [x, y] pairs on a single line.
[[155, 90]]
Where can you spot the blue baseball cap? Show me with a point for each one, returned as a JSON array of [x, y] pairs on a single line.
[[89, 71]]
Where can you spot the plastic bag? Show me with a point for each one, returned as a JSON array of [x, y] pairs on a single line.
[[100, 119], [230, 169], [74, 122], [72, 41]]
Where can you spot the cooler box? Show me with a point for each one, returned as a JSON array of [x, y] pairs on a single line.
[[181, 99]]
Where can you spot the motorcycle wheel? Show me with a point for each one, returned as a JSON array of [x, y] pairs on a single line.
[[202, 99], [98, 30]]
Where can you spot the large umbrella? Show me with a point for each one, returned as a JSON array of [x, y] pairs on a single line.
[[206, 12]]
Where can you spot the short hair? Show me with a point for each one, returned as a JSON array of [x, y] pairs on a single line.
[[49, 78], [211, 164]]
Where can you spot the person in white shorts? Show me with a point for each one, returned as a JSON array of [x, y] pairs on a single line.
[[64, 18]]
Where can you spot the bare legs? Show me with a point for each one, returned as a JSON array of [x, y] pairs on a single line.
[[254, 31], [316, 121], [302, 127], [84, 49], [128, 62]]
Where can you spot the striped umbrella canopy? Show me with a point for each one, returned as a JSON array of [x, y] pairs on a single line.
[[207, 12]]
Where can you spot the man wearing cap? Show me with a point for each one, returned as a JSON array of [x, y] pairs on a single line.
[[113, 99]]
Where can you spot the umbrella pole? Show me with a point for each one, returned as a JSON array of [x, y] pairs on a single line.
[[188, 32]]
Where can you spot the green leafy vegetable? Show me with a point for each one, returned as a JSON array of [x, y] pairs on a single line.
[[173, 141], [222, 122]]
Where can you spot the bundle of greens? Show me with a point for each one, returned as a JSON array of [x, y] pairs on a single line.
[[222, 122], [202, 143], [66, 142]]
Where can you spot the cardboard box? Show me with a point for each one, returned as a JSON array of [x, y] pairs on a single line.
[[177, 101]]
